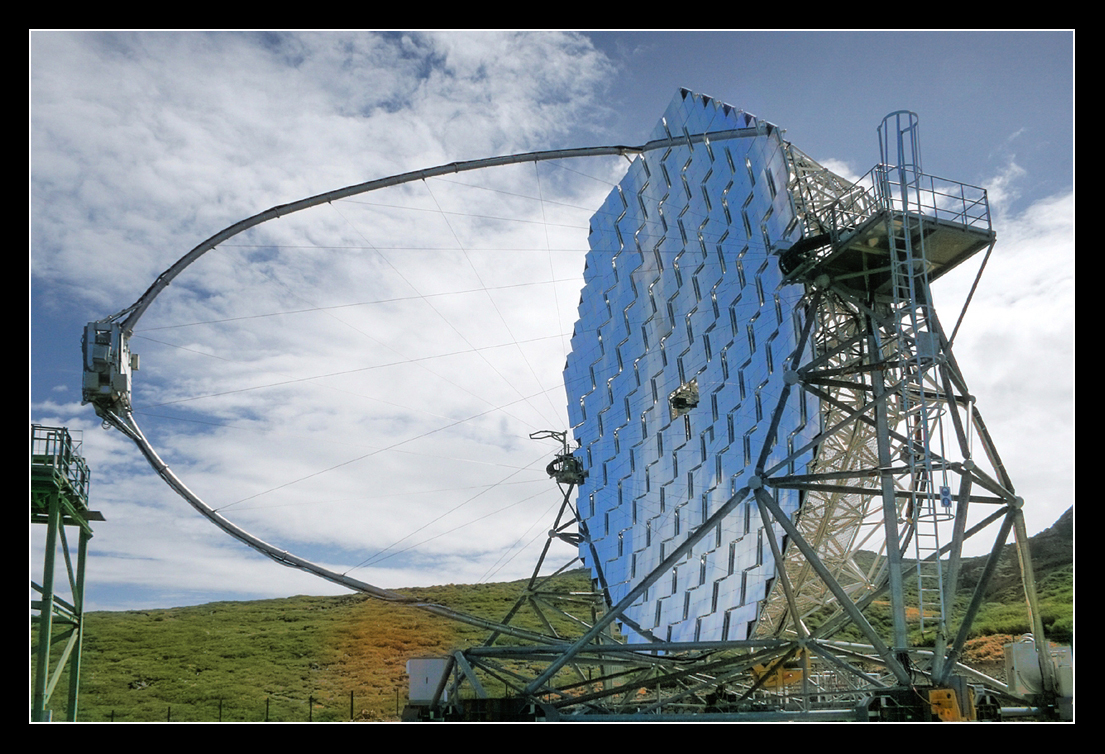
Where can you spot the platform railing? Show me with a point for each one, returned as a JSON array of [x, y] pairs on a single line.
[[880, 190], [54, 447]]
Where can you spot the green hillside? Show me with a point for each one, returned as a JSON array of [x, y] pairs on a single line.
[[1053, 562], [342, 658], [1003, 613], [294, 659]]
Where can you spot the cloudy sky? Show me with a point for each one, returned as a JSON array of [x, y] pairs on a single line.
[[357, 383]]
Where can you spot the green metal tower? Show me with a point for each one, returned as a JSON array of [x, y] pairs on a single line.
[[59, 499]]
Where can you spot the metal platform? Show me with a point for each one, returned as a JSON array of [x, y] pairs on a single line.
[[862, 260], [847, 241], [59, 499]]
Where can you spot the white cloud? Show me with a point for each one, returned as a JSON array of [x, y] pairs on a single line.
[[1003, 189], [841, 168], [1016, 349], [339, 431], [143, 144]]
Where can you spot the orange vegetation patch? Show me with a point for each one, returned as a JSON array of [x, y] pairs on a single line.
[[370, 653], [987, 648]]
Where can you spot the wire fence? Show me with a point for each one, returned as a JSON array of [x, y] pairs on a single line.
[[354, 708]]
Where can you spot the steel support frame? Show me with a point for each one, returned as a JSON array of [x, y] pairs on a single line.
[[870, 405], [875, 391], [58, 620], [851, 371], [58, 500], [868, 368], [539, 601]]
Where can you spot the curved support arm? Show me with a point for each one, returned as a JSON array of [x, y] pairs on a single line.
[[138, 308], [125, 423], [108, 362]]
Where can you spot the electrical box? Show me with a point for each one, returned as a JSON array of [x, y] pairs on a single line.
[[108, 364], [425, 675]]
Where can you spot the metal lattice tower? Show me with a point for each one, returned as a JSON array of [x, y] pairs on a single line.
[[896, 408], [760, 389], [59, 499], [888, 465]]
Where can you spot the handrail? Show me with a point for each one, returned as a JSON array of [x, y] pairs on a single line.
[[53, 447], [879, 189]]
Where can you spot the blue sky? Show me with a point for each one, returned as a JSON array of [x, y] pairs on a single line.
[[286, 413]]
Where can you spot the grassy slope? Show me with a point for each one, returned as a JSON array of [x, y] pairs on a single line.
[[1003, 612], [1003, 615], [272, 656], [178, 663]]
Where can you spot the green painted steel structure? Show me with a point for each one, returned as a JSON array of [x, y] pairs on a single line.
[[59, 499]]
